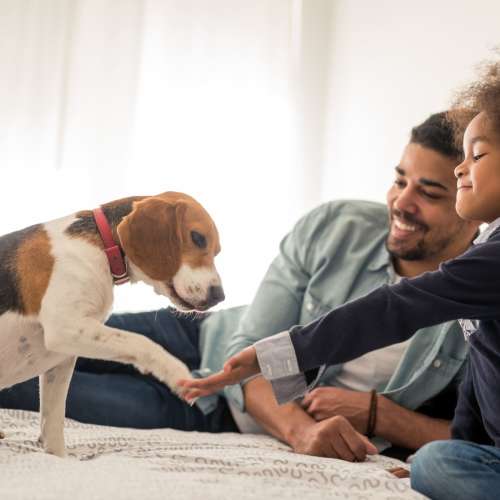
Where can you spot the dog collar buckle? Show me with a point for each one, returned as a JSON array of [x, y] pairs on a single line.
[[117, 264]]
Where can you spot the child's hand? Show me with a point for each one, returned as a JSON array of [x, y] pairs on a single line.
[[240, 366]]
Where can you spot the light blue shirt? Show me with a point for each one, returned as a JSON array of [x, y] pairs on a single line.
[[334, 254]]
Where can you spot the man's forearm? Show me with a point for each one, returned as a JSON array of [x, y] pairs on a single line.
[[282, 421], [403, 427], [400, 426]]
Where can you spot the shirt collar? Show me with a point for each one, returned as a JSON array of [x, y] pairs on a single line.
[[487, 232], [382, 259]]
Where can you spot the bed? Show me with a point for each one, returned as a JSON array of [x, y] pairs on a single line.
[[117, 463]]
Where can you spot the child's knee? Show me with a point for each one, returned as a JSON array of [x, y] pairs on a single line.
[[428, 475]]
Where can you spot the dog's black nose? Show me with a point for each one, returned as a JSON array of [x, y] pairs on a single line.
[[215, 295]]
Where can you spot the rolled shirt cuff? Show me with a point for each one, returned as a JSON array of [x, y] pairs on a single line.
[[276, 356], [278, 364], [290, 388]]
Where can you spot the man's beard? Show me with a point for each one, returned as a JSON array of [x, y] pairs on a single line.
[[422, 249], [417, 252]]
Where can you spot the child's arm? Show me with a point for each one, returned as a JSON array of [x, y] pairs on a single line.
[[466, 287]]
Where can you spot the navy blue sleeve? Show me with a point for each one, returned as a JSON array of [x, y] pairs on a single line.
[[465, 287]]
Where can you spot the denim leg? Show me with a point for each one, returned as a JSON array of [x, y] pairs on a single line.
[[175, 332], [123, 400], [110, 393], [457, 470]]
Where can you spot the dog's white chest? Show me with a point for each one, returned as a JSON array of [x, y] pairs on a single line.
[[22, 351]]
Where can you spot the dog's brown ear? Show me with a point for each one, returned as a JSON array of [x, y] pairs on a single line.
[[150, 238], [180, 217]]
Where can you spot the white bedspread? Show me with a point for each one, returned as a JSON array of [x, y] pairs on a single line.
[[114, 463]]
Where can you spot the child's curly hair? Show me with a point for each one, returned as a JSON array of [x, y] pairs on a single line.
[[481, 95]]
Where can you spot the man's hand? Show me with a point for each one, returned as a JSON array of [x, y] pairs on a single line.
[[326, 402], [240, 366], [334, 437]]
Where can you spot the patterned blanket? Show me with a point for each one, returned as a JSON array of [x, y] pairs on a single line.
[[116, 463]]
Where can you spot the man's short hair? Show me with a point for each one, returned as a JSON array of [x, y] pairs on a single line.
[[437, 133]]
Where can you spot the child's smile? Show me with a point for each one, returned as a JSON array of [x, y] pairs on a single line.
[[478, 185]]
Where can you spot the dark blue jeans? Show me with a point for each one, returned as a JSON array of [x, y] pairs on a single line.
[[109, 393]]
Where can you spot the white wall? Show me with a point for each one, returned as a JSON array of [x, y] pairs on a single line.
[[261, 111], [393, 63]]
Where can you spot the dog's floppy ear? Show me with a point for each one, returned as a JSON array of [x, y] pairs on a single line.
[[180, 218], [151, 237]]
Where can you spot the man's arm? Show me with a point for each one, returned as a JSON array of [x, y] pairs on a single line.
[[282, 421], [406, 428], [333, 437], [291, 424]]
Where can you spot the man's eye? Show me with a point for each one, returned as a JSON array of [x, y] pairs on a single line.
[[431, 195], [198, 239], [399, 183]]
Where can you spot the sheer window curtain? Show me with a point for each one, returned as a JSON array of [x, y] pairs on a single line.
[[222, 99]]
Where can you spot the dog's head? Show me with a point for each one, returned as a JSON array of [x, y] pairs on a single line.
[[171, 242]]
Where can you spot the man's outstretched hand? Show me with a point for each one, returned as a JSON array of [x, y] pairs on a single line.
[[240, 366]]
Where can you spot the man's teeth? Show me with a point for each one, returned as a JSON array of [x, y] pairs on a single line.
[[403, 226]]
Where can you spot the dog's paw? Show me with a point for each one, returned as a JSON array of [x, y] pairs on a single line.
[[53, 447], [165, 367], [175, 371]]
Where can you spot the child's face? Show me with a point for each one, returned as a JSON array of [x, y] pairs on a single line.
[[478, 195]]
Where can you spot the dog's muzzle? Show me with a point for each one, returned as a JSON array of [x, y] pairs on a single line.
[[215, 295]]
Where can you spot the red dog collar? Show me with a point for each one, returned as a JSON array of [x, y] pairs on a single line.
[[113, 251]]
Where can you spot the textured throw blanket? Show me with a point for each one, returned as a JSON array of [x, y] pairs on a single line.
[[114, 463]]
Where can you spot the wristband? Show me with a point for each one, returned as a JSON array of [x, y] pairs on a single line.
[[372, 414]]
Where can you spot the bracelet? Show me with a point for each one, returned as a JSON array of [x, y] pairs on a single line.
[[372, 414]]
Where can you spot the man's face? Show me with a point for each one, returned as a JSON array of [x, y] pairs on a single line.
[[423, 222]]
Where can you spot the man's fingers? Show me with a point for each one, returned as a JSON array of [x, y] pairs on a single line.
[[341, 448], [371, 449], [399, 472], [308, 398], [306, 401], [356, 444], [318, 415], [306, 404]]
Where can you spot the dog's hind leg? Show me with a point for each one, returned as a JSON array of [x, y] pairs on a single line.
[[54, 385]]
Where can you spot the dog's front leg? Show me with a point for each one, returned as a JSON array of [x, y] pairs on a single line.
[[54, 385], [89, 338]]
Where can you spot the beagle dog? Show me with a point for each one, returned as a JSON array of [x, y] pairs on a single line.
[[56, 290]]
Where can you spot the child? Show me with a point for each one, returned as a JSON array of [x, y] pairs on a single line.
[[466, 287]]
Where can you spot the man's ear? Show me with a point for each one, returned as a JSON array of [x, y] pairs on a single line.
[[149, 236]]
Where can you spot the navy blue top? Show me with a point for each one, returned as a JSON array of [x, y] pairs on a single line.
[[465, 287]]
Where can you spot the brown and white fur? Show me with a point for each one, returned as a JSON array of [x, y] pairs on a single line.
[[56, 291]]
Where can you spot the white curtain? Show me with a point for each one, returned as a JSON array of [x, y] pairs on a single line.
[[217, 98]]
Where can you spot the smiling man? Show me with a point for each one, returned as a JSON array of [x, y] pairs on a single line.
[[423, 234], [404, 394]]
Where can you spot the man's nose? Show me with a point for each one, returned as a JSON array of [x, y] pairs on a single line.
[[406, 201]]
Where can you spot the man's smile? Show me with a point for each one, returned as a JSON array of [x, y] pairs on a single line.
[[402, 229]]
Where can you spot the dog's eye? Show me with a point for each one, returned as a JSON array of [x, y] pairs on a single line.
[[198, 239]]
